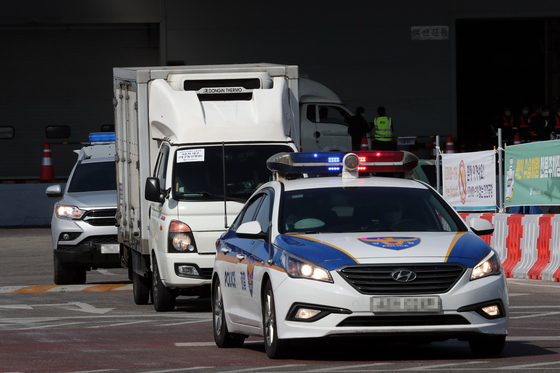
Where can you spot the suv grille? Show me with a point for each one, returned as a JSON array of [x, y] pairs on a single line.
[[100, 217], [430, 278]]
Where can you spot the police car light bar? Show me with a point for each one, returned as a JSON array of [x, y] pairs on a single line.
[[101, 137], [333, 163]]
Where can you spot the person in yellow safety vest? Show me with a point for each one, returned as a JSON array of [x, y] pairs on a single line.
[[382, 131]]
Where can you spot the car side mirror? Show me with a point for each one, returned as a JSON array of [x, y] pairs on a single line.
[[251, 230], [54, 191], [153, 191], [481, 226]]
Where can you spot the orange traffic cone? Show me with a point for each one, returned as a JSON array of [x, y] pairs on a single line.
[[449, 146], [516, 139], [364, 145], [47, 171]]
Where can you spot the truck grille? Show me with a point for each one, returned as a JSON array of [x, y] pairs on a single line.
[[377, 279], [100, 217]]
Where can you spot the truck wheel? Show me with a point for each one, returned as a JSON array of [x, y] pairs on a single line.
[[222, 337], [163, 298], [63, 275], [275, 348], [140, 288]]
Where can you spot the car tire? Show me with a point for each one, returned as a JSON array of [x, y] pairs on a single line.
[[140, 288], [79, 276], [63, 275], [222, 336], [275, 348], [488, 345], [162, 297]]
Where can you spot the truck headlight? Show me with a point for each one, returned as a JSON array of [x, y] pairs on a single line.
[[68, 212], [299, 267], [181, 239], [488, 266]]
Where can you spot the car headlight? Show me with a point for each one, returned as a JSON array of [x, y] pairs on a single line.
[[488, 266], [298, 267], [181, 239], [68, 212]]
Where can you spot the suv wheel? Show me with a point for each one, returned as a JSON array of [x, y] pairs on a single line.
[[66, 275]]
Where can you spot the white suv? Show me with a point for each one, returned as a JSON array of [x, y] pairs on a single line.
[[83, 224]]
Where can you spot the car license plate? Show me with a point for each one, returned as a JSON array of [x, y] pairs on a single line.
[[110, 248], [405, 304]]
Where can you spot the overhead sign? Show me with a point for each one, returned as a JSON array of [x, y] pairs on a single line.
[[469, 180], [532, 176], [429, 32]]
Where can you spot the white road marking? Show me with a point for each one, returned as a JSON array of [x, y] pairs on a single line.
[[52, 326], [525, 366], [535, 315], [537, 284], [60, 289], [119, 324], [442, 365], [533, 338], [353, 367], [195, 344], [10, 289], [177, 370], [266, 369], [186, 322]]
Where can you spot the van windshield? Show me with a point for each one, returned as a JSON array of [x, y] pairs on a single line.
[[198, 172]]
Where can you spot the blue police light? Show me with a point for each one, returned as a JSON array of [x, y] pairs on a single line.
[[305, 163], [96, 137]]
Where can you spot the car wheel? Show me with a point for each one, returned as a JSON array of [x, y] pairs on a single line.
[[140, 288], [163, 298], [79, 276], [222, 336], [275, 348], [488, 345], [63, 275]]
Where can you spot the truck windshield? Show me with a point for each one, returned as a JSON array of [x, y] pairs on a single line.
[[89, 177], [198, 172]]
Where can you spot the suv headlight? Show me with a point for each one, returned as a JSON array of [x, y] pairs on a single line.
[[488, 266], [69, 212], [298, 267], [181, 239]]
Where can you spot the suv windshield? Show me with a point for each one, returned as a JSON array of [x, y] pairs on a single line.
[[366, 209], [201, 178], [89, 177]]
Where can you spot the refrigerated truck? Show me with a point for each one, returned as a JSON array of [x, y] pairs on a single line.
[[191, 147]]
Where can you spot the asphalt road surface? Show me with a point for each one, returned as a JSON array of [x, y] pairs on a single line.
[[97, 328]]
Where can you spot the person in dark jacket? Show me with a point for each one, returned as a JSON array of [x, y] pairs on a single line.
[[358, 127], [540, 125]]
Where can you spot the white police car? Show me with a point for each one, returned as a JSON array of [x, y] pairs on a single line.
[[346, 255]]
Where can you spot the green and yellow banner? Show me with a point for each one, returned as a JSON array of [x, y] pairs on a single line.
[[532, 174]]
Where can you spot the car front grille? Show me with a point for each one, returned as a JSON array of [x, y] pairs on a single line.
[[378, 279], [408, 320], [100, 217]]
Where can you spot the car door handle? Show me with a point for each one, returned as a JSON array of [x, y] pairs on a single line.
[[240, 256], [225, 250]]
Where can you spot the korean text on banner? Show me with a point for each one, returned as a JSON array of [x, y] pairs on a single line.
[[469, 180], [532, 176]]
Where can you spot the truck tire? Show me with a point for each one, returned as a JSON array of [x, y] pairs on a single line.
[[162, 297], [140, 288], [63, 275]]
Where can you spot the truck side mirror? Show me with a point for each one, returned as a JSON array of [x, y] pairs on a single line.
[[153, 191]]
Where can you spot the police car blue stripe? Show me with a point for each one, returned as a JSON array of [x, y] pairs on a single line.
[[327, 255], [469, 250]]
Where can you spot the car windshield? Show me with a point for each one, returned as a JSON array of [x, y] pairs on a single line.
[[366, 209], [202, 178], [89, 177]]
